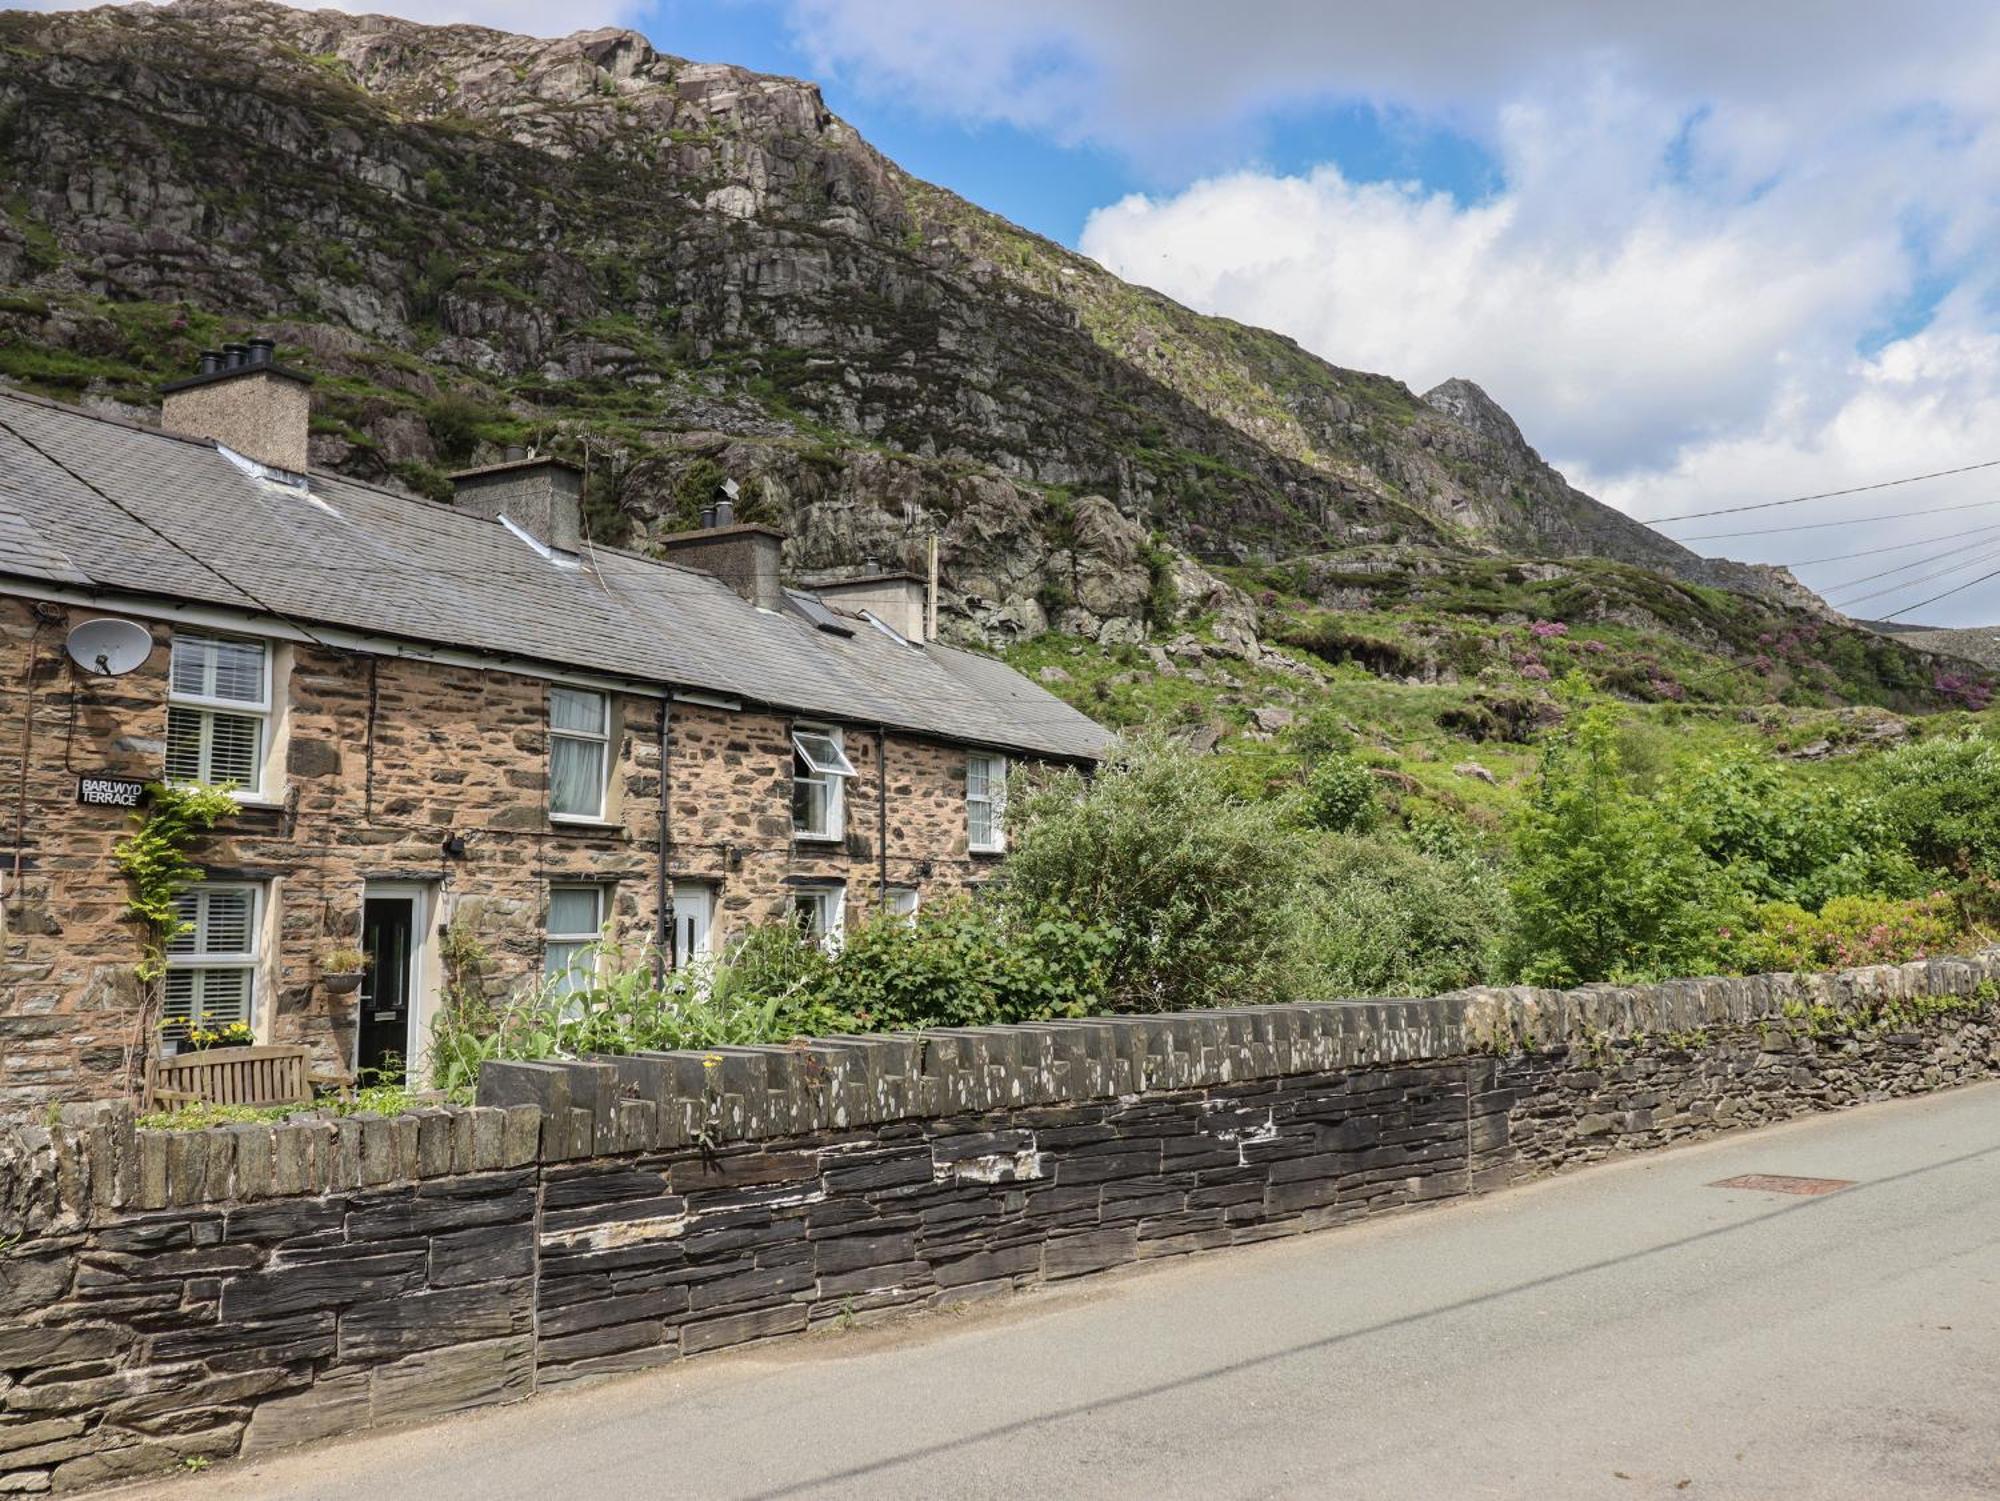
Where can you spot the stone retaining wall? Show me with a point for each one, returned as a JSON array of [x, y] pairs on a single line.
[[170, 1295]]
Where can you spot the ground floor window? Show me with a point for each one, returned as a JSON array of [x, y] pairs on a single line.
[[820, 911], [576, 921], [901, 901], [211, 980]]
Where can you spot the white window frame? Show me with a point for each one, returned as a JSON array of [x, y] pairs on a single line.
[[903, 902], [831, 902], [573, 942], [206, 707], [201, 961], [822, 771], [601, 738], [708, 895], [994, 800]]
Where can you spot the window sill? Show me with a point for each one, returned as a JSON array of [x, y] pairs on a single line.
[[833, 840], [563, 825], [987, 852]]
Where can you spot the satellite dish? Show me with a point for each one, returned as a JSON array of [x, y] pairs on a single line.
[[109, 648]]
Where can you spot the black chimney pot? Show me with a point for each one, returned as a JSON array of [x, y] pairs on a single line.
[[516, 453], [725, 513], [258, 351], [209, 363], [707, 517], [233, 356]]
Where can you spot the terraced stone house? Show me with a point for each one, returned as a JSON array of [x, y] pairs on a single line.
[[442, 721]]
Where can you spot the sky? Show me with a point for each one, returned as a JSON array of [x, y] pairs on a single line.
[[1706, 254]]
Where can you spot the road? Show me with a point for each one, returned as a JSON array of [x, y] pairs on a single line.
[[1625, 1332]]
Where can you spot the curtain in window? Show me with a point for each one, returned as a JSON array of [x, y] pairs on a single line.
[[576, 777]]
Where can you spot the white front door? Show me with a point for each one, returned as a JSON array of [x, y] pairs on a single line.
[[694, 916]]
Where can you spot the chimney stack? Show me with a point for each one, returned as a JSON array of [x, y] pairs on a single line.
[[745, 557], [892, 596], [542, 496], [243, 399]]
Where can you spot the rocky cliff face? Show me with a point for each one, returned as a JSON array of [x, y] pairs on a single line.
[[678, 271]]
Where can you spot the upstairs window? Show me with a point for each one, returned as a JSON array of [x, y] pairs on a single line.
[[986, 802], [579, 753], [820, 770], [218, 711], [576, 922], [212, 960]]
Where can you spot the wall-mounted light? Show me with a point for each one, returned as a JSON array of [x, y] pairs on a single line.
[[454, 846], [924, 869], [732, 856]]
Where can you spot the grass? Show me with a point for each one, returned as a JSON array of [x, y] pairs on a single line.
[[376, 1099]]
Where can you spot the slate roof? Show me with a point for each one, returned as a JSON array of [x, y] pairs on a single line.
[[179, 518]]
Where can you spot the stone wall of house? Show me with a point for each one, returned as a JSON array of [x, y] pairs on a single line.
[[166, 1295], [380, 758]]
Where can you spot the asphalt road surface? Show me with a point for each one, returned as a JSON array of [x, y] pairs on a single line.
[[1625, 1332]]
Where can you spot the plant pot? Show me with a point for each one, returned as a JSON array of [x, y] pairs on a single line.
[[342, 983]]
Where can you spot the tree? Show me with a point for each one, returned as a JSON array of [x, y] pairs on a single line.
[[1604, 885]]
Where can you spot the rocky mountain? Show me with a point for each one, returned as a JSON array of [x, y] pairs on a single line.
[[680, 271]]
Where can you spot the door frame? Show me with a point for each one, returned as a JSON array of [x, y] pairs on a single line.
[[423, 976]]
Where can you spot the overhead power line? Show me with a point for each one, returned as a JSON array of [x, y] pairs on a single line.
[[1765, 505], [1957, 549], [1870, 552], [1955, 589], [1923, 578], [1813, 526]]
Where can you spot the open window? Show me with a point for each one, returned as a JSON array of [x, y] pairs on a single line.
[[820, 770]]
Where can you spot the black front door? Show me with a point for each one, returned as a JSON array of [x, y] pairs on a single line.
[[388, 929]]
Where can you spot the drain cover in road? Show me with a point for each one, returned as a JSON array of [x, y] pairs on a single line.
[[1778, 1183]]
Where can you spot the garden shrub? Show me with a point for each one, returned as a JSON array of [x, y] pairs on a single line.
[[1941, 797], [1196, 884], [1604, 884], [1781, 839], [1847, 931], [1380, 915]]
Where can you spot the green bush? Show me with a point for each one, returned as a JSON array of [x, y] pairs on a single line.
[[1196, 884], [957, 964], [1781, 839], [1848, 931], [1341, 797], [1604, 883], [1381, 916], [1941, 797]]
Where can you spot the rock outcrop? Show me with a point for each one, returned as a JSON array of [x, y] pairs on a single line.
[[682, 271]]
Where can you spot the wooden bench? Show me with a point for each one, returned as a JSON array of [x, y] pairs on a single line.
[[238, 1076]]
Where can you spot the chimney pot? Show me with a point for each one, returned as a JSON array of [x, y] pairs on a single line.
[[725, 513], [246, 401], [516, 453], [707, 517]]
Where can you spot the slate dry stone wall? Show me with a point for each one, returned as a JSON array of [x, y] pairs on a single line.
[[165, 1296]]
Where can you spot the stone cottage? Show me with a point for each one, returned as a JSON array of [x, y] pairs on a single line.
[[459, 734]]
